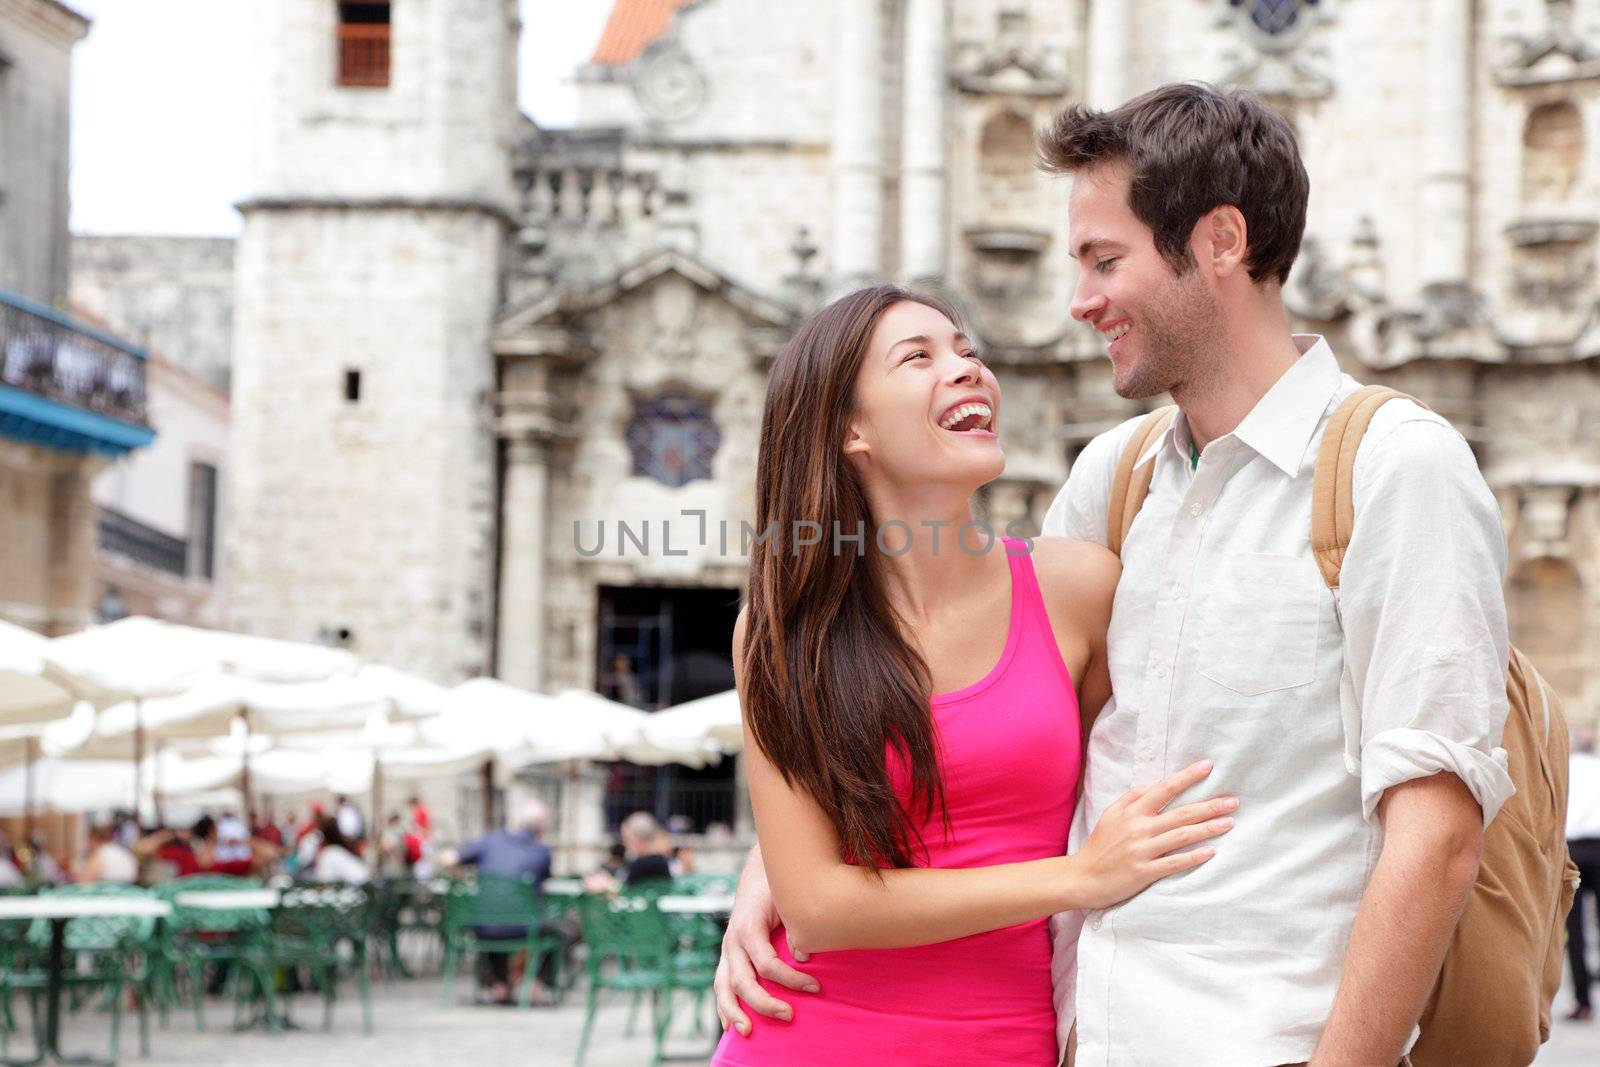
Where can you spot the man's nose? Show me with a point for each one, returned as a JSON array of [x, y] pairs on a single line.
[[1085, 301]]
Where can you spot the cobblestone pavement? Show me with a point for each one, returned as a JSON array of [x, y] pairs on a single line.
[[413, 1030]]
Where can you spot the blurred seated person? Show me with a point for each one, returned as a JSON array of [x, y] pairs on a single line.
[[43, 867], [649, 850], [401, 847], [10, 871], [267, 831], [195, 851], [336, 858], [515, 852], [108, 861]]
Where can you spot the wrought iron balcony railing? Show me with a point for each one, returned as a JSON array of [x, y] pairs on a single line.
[[129, 537], [67, 384]]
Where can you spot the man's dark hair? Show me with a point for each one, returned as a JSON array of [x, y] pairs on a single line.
[[1191, 148]]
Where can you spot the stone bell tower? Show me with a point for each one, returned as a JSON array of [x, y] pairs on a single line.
[[368, 275]]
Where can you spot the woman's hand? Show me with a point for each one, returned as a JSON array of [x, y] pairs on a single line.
[[1136, 843]]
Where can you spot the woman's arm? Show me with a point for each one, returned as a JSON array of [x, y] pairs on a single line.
[[1078, 581], [827, 903]]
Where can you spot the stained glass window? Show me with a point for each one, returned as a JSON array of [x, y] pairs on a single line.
[[1273, 17], [673, 438]]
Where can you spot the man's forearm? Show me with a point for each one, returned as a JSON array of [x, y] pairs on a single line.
[[1407, 917]]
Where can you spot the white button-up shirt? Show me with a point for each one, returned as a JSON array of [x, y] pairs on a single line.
[[1583, 798], [1226, 644]]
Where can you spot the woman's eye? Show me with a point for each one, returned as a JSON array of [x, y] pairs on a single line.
[[973, 355], [914, 355]]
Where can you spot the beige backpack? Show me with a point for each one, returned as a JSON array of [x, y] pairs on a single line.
[[1491, 1005]]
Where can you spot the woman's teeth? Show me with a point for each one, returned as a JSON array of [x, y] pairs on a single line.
[[965, 412]]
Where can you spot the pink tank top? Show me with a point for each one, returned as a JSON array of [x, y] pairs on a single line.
[[1009, 753]]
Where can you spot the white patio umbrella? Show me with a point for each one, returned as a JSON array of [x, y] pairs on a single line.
[[632, 733], [518, 726], [140, 659], [32, 689], [66, 785], [710, 722]]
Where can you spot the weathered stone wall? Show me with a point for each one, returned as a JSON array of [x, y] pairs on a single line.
[[46, 537], [370, 515], [36, 39], [372, 245], [174, 295]]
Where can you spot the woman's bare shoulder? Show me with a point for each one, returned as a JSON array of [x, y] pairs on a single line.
[[1078, 573]]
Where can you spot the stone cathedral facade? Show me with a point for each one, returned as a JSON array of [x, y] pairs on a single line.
[[469, 351]]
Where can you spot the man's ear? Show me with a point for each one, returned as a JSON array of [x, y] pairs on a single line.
[[1223, 240]]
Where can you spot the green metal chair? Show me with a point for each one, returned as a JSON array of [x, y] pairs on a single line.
[[108, 953], [486, 902], [693, 885], [198, 938], [323, 927], [634, 949]]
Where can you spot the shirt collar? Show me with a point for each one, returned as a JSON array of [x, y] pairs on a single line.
[[1279, 428]]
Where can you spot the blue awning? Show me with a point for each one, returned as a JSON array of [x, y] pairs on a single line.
[[39, 420]]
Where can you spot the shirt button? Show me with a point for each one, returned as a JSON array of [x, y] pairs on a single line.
[[1196, 509], [1159, 670], [1094, 923]]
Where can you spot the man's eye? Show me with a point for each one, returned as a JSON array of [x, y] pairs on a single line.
[[1104, 265]]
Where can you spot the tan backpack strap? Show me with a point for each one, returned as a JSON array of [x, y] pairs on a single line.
[[1332, 504], [1130, 485]]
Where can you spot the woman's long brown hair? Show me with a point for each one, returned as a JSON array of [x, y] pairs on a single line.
[[830, 681]]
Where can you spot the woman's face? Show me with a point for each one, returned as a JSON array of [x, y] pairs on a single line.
[[927, 408]]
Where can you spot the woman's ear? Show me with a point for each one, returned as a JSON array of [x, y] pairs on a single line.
[[855, 443]]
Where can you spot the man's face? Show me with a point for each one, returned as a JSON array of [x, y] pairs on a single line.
[[1160, 327]]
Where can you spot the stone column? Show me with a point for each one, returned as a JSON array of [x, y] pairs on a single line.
[[1446, 194], [520, 631], [857, 156], [1110, 32], [922, 141]]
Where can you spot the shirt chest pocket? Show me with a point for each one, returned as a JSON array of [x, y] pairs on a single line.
[[1259, 623]]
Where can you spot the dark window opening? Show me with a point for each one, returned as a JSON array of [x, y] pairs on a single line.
[[352, 385], [203, 519], [364, 43], [659, 647]]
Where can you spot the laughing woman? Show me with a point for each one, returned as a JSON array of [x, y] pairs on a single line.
[[911, 706]]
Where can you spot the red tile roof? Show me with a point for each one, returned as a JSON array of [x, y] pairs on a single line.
[[632, 25]]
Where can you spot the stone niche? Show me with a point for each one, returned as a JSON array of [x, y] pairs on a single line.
[[1008, 237], [1553, 238]]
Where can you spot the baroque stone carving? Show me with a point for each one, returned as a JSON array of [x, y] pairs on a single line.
[[1558, 54], [1275, 60], [667, 83], [1013, 62]]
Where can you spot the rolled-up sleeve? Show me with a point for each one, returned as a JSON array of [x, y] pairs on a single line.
[[1422, 604]]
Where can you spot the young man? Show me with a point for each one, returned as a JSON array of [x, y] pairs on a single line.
[[1359, 732]]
